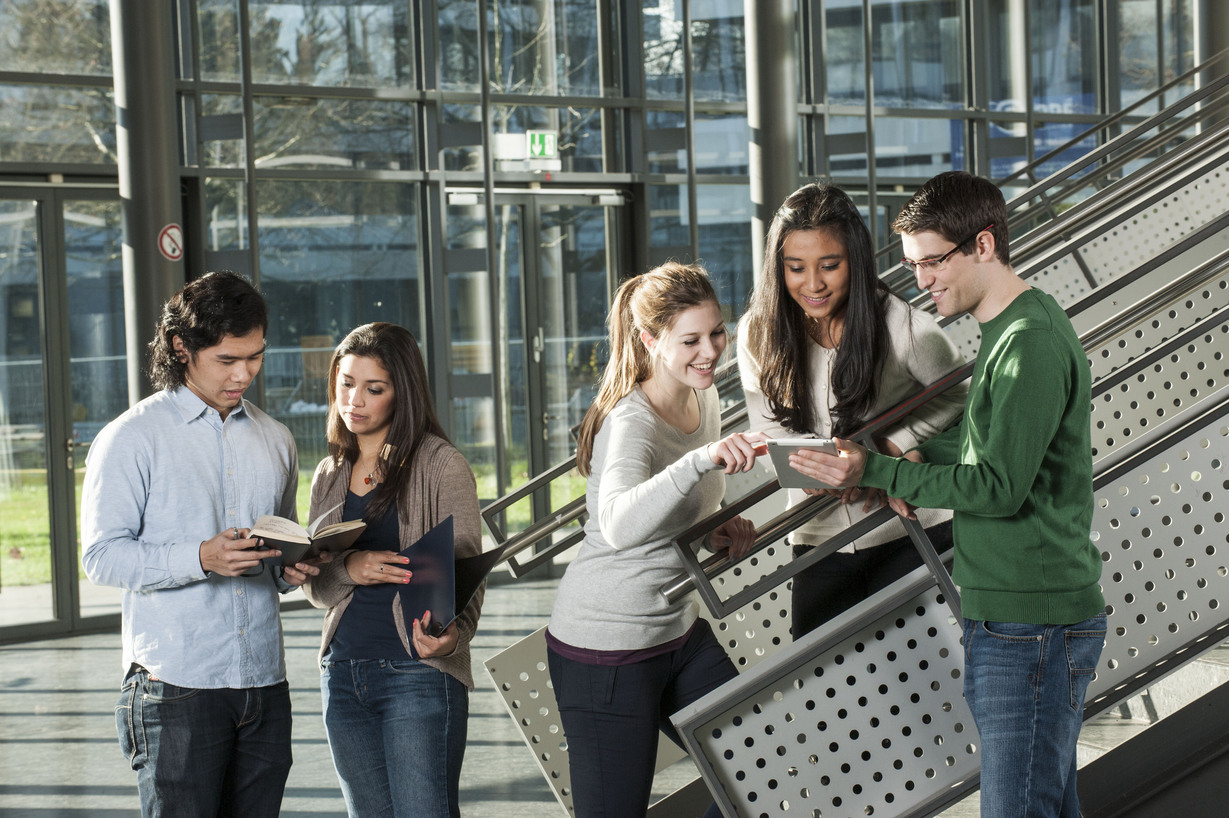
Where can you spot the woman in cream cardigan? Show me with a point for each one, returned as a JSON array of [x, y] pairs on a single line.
[[823, 348], [396, 698]]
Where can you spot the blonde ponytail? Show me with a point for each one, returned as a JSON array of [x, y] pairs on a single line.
[[648, 302]]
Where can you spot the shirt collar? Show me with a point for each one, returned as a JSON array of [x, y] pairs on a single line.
[[190, 406]]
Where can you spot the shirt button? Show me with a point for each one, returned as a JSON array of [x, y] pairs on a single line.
[[239, 592], [241, 631]]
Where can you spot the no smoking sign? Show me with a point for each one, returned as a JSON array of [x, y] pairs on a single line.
[[170, 242]]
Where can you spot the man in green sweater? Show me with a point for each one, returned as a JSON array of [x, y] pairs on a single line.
[[1017, 472]]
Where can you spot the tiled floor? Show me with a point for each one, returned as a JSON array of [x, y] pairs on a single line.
[[59, 757]]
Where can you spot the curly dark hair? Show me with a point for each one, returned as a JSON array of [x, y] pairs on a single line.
[[201, 314]]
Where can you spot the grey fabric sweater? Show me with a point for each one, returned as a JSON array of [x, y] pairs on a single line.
[[441, 483], [648, 482]]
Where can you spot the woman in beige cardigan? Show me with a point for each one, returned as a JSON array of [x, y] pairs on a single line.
[[396, 698]]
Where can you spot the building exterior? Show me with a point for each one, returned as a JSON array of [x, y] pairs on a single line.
[[482, 172]]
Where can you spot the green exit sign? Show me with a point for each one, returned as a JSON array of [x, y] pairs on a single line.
[[543, 144]]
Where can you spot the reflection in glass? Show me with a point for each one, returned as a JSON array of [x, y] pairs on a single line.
[[724, 213], [222, 153], [459, 55], [917, 147], [25, 530], [334, 44], [572, 304], [74, 37], [669, 236], [1064, 66], [473, 339], [1146, 62], [226, 221], [546, 47], [459, 156], [718, 50], [217, 36], [665, 142], [57, 124], [844, 54], [918, 54], [336, 133], [93, 236], [721, 144], [333, 255]]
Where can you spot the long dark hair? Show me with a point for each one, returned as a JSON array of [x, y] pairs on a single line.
[[201, 314], [776, 325], [647, 302], [395, 349]]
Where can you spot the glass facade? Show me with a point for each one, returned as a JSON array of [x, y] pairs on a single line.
[[382, 180]]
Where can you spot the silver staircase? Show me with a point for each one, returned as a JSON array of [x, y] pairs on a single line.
[[864, 716]]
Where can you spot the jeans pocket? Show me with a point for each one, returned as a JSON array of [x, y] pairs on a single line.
[[1014, 631], [126, 716], [160, 692], [1084, 642]]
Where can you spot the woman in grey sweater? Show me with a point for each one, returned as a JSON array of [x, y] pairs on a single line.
[[621, 658]]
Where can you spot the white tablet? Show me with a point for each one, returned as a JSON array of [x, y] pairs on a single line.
[[779, 449]]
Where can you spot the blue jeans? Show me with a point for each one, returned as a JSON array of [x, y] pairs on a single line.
[[611, 717], [396, 729], [1025, 686], [202, 753]]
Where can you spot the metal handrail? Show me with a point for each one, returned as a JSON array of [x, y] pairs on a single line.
[[1044, 189], [1029, 170], [699, 575], [1057, 229]]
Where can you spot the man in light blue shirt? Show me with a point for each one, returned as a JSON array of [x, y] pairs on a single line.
[[172, 487]]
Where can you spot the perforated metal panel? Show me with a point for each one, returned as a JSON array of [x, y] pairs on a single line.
[[876, 724], [1161, 528], [1169, 321], [871, 724], [1064, 280], [1161, 387], [522, 679]]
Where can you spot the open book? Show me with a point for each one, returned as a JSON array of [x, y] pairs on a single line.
[[298, 543], [441, 583]]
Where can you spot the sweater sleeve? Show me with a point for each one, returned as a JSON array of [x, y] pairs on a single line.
[[1027, 379], [456, 493], [927, 355], [333, 584], [633, 503]]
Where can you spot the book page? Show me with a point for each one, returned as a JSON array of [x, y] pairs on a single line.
[[279, 528], [311, 528]]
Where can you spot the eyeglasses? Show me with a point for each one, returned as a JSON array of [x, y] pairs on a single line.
[[933, 265]]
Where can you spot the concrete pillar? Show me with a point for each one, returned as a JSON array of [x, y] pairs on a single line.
[[147, 129], [772, 112]]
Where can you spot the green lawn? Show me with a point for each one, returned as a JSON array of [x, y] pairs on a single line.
[[25, 551]]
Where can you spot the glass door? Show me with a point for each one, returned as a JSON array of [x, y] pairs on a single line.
[[527, 342], [62, 377]]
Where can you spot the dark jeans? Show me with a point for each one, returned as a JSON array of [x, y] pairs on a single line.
[[202, 753], [397, 731], [611, 717], [841, 580]]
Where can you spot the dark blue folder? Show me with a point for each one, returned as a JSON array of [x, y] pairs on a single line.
[[441, 583]]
